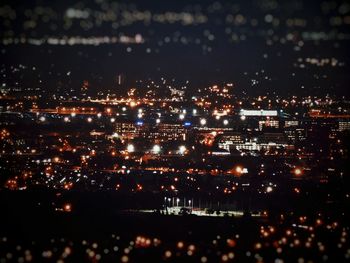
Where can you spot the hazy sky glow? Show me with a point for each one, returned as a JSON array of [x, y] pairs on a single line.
[[293, 47]]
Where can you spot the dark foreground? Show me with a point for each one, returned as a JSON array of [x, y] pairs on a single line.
[[35, 232]]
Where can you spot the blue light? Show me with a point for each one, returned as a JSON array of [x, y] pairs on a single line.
[[187, 124], [139, 123]]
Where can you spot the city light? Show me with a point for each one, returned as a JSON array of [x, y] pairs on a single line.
[[67, 207], [204, 131], [298, 171], [269, 189], [182, 149], [156, 149], [239, 170], [130, 148]]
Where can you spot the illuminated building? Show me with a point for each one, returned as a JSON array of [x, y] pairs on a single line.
[[265, 141], [269, 124], [160, 132], [343, 125], [295, 134], [259, 113], [129, 130], [167, 132], [291, 123], [229, 141]]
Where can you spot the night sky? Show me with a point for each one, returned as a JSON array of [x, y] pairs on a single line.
[[294, 48]]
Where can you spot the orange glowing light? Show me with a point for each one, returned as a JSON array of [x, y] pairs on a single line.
[[231, 242], [180, 244], [239, 169], [67, 207]]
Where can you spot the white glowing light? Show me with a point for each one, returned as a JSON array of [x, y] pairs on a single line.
[[130, 148], [156, 149], [182, 149]]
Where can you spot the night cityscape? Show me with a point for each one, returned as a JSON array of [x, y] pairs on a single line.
[[176, 131]]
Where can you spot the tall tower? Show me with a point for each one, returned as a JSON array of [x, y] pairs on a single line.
[[120, 79]]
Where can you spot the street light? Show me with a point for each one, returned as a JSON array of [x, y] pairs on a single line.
[[169, 200]]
